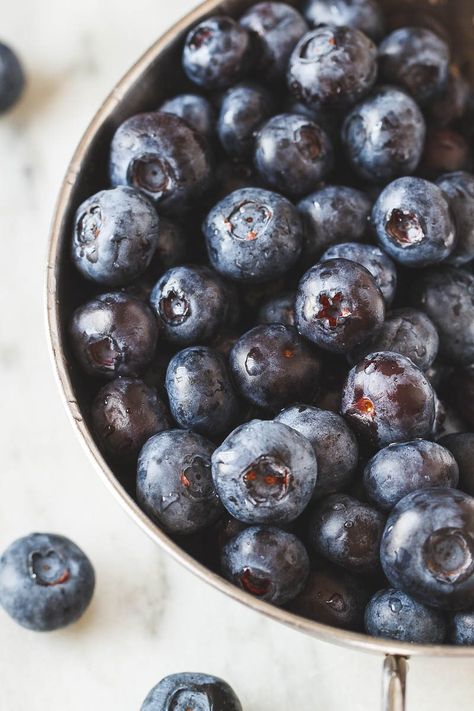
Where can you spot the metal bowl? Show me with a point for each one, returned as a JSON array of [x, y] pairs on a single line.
[[157, 75]]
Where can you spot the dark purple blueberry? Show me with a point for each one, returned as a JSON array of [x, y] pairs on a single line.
[[347, 532], [408, 332], [125, 413], [188, 691], [265, 472], [338, 305], [335, 446], [451, 103], [384, 135], [172, 248], [116, 233], [113, 334], [244, 108], [393, 614], [388, 399], [413, 222], [46, 581], [196, 110], [461, 446], [292, 154], [279, 309], [373, 259], [12, 78], [174, 482], [445, 151], [364, 15], [458, 190], [273, 366], [200, 393], [427, 548], [279, 27], [332, 67], [253, 235], [462, 628], [218, 53], [161, 155], [399, 469], [268, 563], [192, 304]]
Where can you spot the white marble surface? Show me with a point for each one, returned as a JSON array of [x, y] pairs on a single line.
[[149, 617]]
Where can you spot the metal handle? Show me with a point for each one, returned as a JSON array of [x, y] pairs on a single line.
[[393, 683]]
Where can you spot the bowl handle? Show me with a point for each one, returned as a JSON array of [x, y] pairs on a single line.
[[394, 683]]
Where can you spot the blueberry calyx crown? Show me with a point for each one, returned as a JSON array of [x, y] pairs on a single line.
[[267, 480], [48, 569]]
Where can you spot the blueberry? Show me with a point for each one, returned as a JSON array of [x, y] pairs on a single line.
[[335, 447], [427, 548], [332, 66], [399, 469], [265, 472], [174, 482], [172, 246], [461, 446], [279, 309], [393, 614], [192, 304], [458, 190], [338, 305], [447, 421], [253, 235], [446, 295], [188, 690], [125, 413], [273, 366], [196, 110], [46, 581], [113, 334], [347, 532], [383, 136], [292, 154], [218, 53], [278, 27], [451, 102], [200, 393], [388, 399], [161, 155], [417, 60], [364, 15], [406, 331], [266, 562], [445, 151], [462, 628], [373, 259], [414, 223], [12, 78], [333, 596], [244, 108]]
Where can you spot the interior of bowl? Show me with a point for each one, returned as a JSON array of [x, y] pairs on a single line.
[[155, 77]]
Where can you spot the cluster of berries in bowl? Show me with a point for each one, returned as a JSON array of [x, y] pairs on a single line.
[[278, 334]]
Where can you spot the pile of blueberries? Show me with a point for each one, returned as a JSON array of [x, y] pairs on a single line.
[[281, 312]]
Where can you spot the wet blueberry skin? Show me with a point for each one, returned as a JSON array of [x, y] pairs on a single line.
[[192, 304], [116, 233], [458, 190], [278, 309], [399, 469], [292, 154], [373, 259], [113, 334], [383, 135], [46, 581], [413, 222], [161, 155], [218, 53], [174, 482], [415, 59], [266, 562], [12, 78], [279, 27], [265, 472], [365, 15], [189, 690], [125, 413], [428, 548], [461, 446], [388, 399], [406, 331], [244, 108], [332, 67], [338, 305], [335, 446], [200, 392], [272, 366], [253, 235], [462, 628], [393, 614], [347, 532], [196, 110]]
